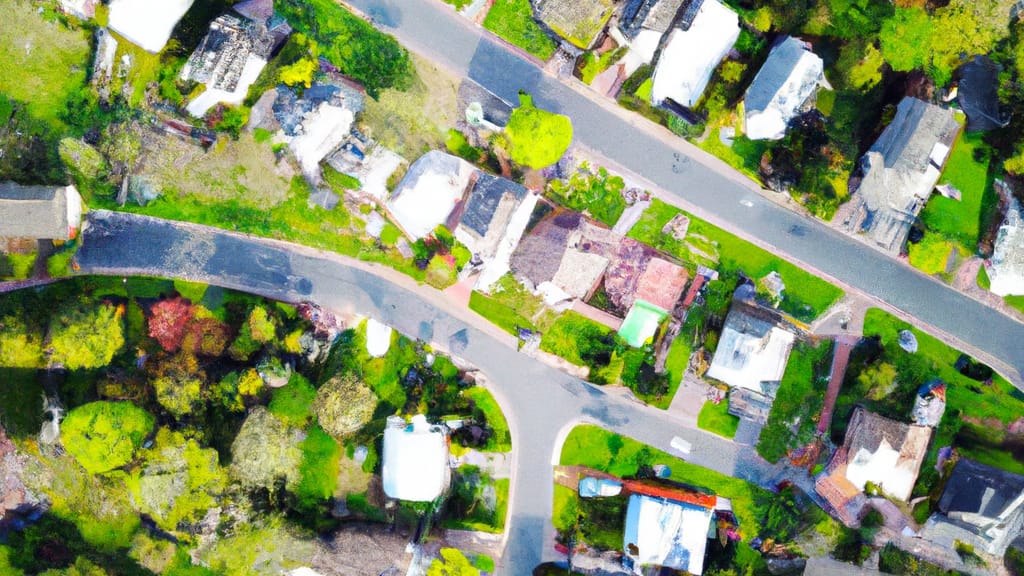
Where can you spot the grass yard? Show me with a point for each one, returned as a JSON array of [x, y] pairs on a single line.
[[594, 65], [44, 62], [513, 21], [885, 380], [510, 302], [983, 281], [1015, 301], [798, 402], [716, 418], [573, 337], [932, 255], [961, 221], [806, 295], [501, 315], [414, 121], [242, 170], [744, 154], [485, 402]]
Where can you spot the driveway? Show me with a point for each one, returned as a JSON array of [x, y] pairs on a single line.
[[540, 402], [700, 182]]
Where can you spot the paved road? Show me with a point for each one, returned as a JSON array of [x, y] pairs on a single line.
[[434, 30], [541, 403]]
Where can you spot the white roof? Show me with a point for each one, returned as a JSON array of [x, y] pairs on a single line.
[[378, 338], [212, 96], [882, 468], [323, 130], [1007, 270], [415, 460], [429, 192], [745, 360], [668, 534], [147, 23], [788, 78], [691, 56]]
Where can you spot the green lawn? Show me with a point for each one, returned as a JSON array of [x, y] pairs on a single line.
[[961, 221], [931, 255], [716, 418], [513, 21], [609, 452], [572, 337], [44, 62], [501, 315], [744, 154], [800, 398], [806, 296], [502, 439], [984, 282], [1015, 301]]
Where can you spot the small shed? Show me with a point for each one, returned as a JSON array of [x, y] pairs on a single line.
[[415, 466], [432, 188], [147, 23], [39, 212], [641, 323], [978, 95], [666, 533]]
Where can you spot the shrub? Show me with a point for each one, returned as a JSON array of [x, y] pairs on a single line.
[[318, 472], [167, 321], [539, 138], [265, 451], [293, 403], [599, 193], [86, 335], [58, 265], [344, 405], [103, 436]]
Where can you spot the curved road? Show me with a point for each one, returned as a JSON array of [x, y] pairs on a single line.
[[432, 29], [541, 403]]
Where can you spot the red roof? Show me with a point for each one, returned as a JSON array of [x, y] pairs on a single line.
[[662, 283], [691, 294], [670, 493]]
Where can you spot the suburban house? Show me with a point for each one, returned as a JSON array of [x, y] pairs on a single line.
[[978, 95], [415, 466], [659, 288], [319, 122], [39, 212], [81, 9], [669, 527], [227, 61], [1006, 268], [703, 37], [578, 21], [981, 506], [782, 88], [641, 26], [147, 23], [899, 173], [752, 350], [878, 450]]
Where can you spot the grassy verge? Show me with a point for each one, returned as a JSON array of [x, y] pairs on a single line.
[[501, 441], [967, 170], [799, 399], [716, 418], [1015, 301], [501, 315], [984, 282], [744, 155], [806, 295], [575, 338], [513, 21]]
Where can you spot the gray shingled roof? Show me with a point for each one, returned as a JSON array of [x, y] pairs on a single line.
[[975, 488], [484, 199], [33, 211], [978, 97], [907, 142], [776, 71], [656, 15]]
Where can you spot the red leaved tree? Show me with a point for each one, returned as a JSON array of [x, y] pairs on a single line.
[[167, 321]]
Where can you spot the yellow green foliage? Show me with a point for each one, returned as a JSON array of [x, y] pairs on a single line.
[[20, 347], [293, 403], [179, 481], [84, 334], [452, 563], [250, 383], [178, 395], [300, 72], [868, 71], [82, 159], [539, 138], [293, 342], [103, 436], [81, 567], [344, 405], [269, 548]]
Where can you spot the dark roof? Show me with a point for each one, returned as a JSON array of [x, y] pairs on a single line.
[[979, 489], [539, 254], [978, 97], [484, 199], [657, 15], [689, 13], [34, 211], [774, 74]]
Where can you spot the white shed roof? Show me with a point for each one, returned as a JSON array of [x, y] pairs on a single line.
[[750, 354], [691, 56], [147, 23], [666, 533], [415, 460], [428, 193], [788, 78]]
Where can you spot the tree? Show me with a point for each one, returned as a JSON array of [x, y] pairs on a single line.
[[121, 146], [257, 330], [103, 436], [452, 563], [265, 452], [178, 383], [301, 72], [344, 405], [167, 322], [83, 334], [83, 162], [539, 138]]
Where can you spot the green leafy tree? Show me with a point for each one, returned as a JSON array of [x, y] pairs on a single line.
[[300, 72], [103, 436], [539, 138], [86, 335], [178, 382], [452, 563], [598, 193], [344, 405], [265, 452]]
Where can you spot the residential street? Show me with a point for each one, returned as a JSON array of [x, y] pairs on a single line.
[[541, 403], [705, 185]]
